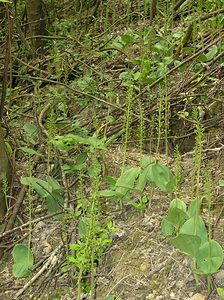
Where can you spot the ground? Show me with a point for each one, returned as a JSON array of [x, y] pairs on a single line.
[[140, 263]]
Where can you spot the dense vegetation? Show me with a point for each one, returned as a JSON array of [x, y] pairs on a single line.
[[84, 84]]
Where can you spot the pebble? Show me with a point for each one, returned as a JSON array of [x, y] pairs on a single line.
[[219, 278]]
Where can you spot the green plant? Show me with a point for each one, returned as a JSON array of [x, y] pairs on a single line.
[[23, 261], [191, 237], [135, 179], [93, 234]]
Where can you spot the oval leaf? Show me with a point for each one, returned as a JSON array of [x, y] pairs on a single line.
[[210, 257], [23, 261]]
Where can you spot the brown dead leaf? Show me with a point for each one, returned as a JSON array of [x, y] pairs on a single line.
[[197, 297]]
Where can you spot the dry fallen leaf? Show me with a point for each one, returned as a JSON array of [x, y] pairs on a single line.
[[197, 297]]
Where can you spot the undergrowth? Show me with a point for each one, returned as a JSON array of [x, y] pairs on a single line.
[[127, 73]]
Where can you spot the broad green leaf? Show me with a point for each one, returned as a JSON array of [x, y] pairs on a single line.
[[158, 47], [143, 179], [50, 191], [8, 149], [210, 257], [147, 160], [178, 204], [202, 58], [167, 227], [67, 142], [194, 207], [195, 226], [188, 244], [71, 169], [163, 178], [55, 186], [77, 139], [81, 158], [177, 216], [137, 75], [151, 78], [168, 60], [54, 201], [127, 38], [23, 261], [212, 53], [94, 169], [96, 143], [127, 180], [111, 181], [30, 151], [39, 185]]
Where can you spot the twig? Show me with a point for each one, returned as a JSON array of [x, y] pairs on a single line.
[[8, 232], [204, 151], [15, 210]]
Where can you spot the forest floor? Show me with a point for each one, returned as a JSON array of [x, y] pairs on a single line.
[[129, 83], [140, 263]]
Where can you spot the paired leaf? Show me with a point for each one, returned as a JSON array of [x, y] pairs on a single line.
[[210, 257], [49, 190], [176, 216], [195, 226], [94, 169], [108, 193], [178, 203], [188, 244], [30, 151]]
